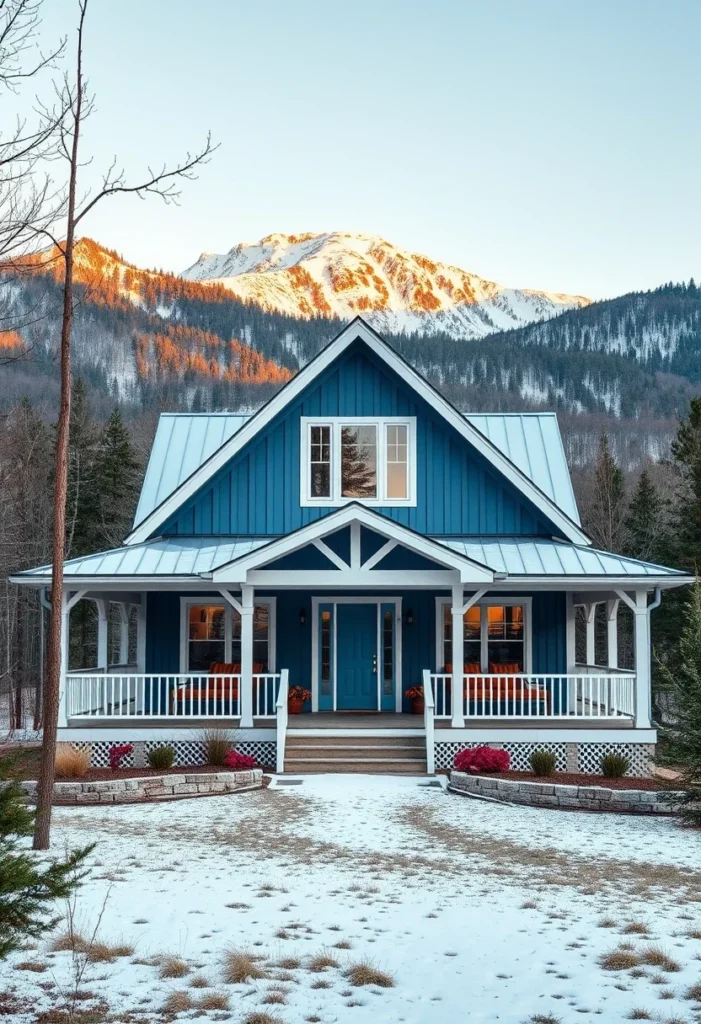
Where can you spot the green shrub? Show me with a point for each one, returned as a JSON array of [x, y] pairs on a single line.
[[161, 757], [614, 766], [217, 744], [542, 762]]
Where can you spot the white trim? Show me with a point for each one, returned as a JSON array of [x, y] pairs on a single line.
[[526, 602], [331, 555], [335, 424], [346, 599], [356, 516], [406, 579], [358, 329], [220, 598]]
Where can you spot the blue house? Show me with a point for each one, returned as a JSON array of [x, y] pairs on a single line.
[[405, 575]]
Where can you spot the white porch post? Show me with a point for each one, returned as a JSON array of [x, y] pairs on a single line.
[[591, 634], [458, 720], [612, 632], [570, 631], [63, 685], [246, 696], [643, 677], [123, 633], [102, 612], [141, 636]]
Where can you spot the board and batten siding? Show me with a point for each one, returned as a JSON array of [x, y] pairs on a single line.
[[458, 490]]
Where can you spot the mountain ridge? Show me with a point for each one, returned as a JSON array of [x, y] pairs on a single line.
[[343, 274]]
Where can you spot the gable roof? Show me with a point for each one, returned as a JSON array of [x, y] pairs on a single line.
[[184, 441], [357, 330]]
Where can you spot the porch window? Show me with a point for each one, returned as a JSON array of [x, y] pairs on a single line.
[[494, 634], [367, 459], [387, 653], [206, 636]]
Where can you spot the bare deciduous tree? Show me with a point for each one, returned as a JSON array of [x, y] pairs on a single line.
[[73, 97]]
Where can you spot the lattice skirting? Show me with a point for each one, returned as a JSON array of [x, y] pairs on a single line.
[[573, 757], [187, 752]]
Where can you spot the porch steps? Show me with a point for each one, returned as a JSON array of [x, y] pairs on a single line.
[[375, 755]]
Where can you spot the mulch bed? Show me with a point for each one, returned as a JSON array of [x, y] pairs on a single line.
[[575, 779], [106, 774]]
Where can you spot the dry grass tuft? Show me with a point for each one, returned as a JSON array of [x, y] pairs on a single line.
[[35, 966], [343, 944], [178, 1002], [275, 997], [261, 1018], [365, 973], [694, 992], [104, 953], [199, 982], [321, 961], [217, 744], [639, 1014], [529, 905], [321, 983], [693, 933], [213, 1001], [544, 1018], [607, 922], [618, 960], [173, 967], [636, 928], [240, 966], [656, 957], [289, 963], [68, 942], [72, 762]]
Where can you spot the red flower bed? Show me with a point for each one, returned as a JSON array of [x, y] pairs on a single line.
[[482, 759], [238, 762]]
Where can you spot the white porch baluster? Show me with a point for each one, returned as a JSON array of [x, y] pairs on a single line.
[[458, 721], [246, 696]]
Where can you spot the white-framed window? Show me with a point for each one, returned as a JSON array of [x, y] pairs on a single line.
[[496, 632], [364, 458], [210, 631]]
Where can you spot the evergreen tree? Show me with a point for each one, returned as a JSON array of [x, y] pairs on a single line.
[[645, 522], [686, 452], [684, 737], [80, 502], [115, 481], [27, 889], [606, 511]]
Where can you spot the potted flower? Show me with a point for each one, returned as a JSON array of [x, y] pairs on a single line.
[[416, 696], [296, 699]]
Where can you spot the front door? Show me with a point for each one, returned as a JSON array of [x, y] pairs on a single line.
[[356, 657]]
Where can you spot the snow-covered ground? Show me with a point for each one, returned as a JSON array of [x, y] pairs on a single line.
[[478, 911]]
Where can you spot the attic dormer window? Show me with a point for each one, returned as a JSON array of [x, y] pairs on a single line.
[[366, 459]]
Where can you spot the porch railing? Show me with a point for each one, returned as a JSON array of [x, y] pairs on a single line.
[[604, 695], [429, 725], [281, 711], [171, 695]]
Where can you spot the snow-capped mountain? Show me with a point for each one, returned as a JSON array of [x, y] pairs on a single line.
[[341, 274]]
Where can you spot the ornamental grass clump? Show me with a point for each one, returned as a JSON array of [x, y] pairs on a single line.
[[240, 966], [614, 766], [217, 744], [72, 762], [482, 759], [161, 757], [542, 762]]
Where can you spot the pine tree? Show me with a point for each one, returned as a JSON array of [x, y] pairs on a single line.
[[115, 481], [606, 512], [686, 452], [27, 889], [80, 501], [645, 522], [684, 737]]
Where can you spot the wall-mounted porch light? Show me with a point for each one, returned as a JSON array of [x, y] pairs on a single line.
[[409, 619], [302, 616]]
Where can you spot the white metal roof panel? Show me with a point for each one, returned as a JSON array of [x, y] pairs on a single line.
[[532, 441], [536, 556]]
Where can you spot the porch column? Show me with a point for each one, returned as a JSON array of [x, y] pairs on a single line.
[[612, 632], [643, 678], [62, 684], [123, 633], [141, 636], [591, 634], [458, 721], [102, 613], [246, 696]]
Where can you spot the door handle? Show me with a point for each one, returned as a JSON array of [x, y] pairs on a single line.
[[374, 664]]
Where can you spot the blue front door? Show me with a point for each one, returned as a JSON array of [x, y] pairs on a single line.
[[356, 657]]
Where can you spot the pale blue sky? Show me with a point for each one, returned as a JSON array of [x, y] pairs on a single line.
[[541, 144]]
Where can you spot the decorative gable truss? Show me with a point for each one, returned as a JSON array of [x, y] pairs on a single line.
[[359, 547], [358, 330]]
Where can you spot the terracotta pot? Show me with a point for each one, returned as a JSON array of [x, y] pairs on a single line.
[[295, 705], [417, 705]]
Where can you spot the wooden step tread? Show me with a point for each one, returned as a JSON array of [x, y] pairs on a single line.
[[355, 760]]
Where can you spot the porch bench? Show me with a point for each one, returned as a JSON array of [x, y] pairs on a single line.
[[500, 687], [223, 687]]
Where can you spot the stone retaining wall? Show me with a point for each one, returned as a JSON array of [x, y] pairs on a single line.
[[151, 787], [553, 794]]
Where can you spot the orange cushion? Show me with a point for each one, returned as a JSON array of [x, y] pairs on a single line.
[[504, 667]]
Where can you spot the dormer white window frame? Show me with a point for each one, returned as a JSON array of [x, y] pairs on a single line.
[[336, 423]]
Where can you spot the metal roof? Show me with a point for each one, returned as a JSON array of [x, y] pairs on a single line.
[[519, 556], [184, 441], [513, 556]]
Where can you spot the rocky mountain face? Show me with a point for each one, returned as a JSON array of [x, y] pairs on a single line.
[[342, 275]]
